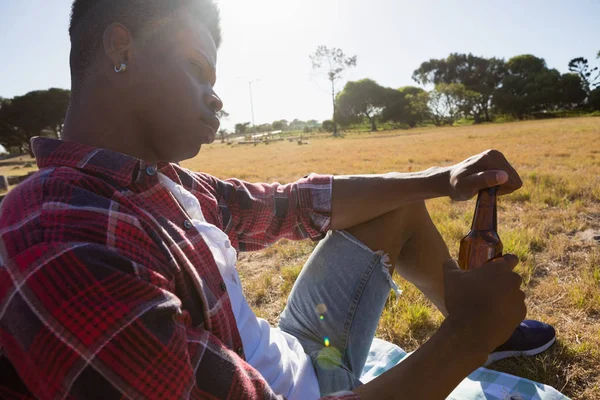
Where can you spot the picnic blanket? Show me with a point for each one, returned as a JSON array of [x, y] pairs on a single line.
[[482, 384]]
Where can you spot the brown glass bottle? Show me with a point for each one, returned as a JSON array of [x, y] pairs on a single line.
[[482, 243]]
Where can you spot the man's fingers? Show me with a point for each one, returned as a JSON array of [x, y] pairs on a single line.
[[450, 265], [514, 181], [511, 260], [485, 179], [507, 261], [498, 160]]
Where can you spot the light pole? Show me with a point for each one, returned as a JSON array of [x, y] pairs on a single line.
[[252, 103]]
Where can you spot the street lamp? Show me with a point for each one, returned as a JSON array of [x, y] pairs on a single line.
[[250, 82], [252, 102]]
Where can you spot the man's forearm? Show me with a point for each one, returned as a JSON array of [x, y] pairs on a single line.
[[360, 198], [432, 371]]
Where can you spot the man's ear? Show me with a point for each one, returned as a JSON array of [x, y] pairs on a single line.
[[117, 43]]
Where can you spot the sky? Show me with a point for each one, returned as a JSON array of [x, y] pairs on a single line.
[[269, 42]]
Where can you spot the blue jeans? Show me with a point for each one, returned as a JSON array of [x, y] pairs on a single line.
[[335, 306]]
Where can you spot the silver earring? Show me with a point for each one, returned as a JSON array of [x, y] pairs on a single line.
[[122, 68]]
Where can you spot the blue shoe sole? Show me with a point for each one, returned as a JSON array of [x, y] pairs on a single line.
[[499, 355]]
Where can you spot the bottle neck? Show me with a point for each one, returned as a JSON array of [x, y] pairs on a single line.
[[486, 212]]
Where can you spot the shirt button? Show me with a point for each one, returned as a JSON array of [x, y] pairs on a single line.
[[223, 286], [240, 351], [150, 170], [187, 224]]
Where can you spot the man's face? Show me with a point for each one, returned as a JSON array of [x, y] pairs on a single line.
[[172, 82]]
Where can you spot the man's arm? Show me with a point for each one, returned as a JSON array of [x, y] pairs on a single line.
[[432, 371], [360, 198], [261, 213], [485, 305]]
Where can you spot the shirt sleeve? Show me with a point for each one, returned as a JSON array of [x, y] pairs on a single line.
[[262, 213]]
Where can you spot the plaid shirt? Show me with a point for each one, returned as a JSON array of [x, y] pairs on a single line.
[[107, 290]]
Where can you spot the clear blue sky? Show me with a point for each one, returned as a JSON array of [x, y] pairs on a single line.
[[270, 40]]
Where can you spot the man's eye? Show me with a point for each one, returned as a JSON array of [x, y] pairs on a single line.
[[200, 70]]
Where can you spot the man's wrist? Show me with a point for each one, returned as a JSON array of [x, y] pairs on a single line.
[[432, 182], [467, 341], [440, 180]]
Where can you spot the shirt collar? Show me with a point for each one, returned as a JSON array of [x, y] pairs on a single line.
[[115, 166]]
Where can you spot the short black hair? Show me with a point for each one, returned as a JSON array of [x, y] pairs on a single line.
[[89, 19]]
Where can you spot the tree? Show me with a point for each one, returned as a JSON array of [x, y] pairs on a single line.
[[10, 136], [590, 77], [297, 125], [594, 100], [467, 102], [438, 107], [362, 98], [571, 91], [240, 129], [407, 105], [313, 123], [222, 114], [40, 112], [262, 128], [280, 125], [445, 103], [327, 125], [334, 62], [528, 87], [478, 75], [223, 134]]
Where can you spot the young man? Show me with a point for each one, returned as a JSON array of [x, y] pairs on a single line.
[[117, 266]]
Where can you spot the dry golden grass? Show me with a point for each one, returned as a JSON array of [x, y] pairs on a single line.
[[17, 170], [551, 224]]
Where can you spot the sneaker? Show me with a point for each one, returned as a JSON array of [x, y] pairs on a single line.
[[530, 338]]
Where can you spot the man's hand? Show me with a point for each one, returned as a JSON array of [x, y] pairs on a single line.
[[488, 300], [481, 171], [485, 305]]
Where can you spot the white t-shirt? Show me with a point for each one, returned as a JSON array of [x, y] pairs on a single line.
[[278, 356]]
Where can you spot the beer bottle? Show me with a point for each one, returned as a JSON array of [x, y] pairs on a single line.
[[482, 243]]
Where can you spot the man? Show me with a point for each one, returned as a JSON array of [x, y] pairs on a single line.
[[118, 277]]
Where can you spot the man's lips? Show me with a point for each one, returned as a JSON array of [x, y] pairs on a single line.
[[212, 123]]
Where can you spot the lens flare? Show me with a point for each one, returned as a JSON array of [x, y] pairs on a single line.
[[321, 317], [321, 309], [326, 342]]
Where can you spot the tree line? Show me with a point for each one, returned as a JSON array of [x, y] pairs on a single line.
[[463, 86], [478, 88], [37, 113]]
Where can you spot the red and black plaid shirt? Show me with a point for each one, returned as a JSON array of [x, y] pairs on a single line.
[[107, 290]]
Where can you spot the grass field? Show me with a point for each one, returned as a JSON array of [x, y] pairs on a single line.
[[552, 224]]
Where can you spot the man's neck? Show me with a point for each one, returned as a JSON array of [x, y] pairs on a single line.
[[108, 124]]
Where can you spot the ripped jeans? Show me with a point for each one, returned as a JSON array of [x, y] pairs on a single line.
[[335, 306]]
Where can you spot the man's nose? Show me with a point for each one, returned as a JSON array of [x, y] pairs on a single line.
[[213, 101]]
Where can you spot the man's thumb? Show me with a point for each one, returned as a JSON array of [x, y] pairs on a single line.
[[450, 266]]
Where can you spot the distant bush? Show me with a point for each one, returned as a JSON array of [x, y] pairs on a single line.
[[594, 100], [504, 118], [328, 125]]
